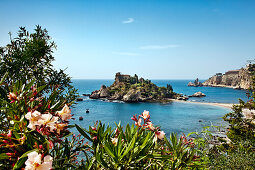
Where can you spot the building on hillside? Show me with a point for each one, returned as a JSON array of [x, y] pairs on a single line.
[[121, 77], [232, 72]]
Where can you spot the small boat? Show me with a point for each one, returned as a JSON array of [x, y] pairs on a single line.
[[81, 118], [87, 110]]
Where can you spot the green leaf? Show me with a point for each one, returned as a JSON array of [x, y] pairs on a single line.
[[131, 145], [19, 163], [39, 89], [91, 163], [109, 150], [83, 133], [29, 85], [3, 156], [3, 78], [52, 107], [25, 154]]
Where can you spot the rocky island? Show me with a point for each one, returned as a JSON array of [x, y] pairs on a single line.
[[132, 89]]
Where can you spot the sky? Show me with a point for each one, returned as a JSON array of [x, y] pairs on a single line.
[[155, 39]]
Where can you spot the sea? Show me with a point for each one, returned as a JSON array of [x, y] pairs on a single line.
[[177, 117]]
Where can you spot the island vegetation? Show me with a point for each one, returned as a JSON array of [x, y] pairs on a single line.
[[132, 89], [35, 128]]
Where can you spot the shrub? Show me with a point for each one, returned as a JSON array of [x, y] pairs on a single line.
[[36, 126], [142, 146]]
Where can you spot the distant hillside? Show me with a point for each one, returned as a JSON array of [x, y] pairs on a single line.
[[238, 79]]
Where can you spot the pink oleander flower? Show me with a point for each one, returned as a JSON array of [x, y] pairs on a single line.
[[33, 118], [65, 113], [12, 97], [114, 141], [160, 134], [48, 120], [145, 114], [138, 123], [34, 162], [150, 126], [60, 127]]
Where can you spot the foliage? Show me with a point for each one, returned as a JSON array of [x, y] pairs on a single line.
[[35, 124], [136, 147], [237, 157], [238, 152], [29, 57]]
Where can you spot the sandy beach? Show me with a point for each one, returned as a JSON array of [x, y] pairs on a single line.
[[225, 105]]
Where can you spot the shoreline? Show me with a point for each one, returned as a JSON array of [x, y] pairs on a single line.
[[225, 105]]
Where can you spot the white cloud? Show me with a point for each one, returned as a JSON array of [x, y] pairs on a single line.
[[158, 47], [128, 21], [126, 53]]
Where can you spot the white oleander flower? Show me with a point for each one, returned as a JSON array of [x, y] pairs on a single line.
[[145, 114], [160, 134], [150, 126], [114, 141], [34, 162], [60, 126], [49, 121], [33, 118], [65, 113]]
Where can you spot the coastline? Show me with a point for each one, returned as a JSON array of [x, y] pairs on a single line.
[[225, 105]]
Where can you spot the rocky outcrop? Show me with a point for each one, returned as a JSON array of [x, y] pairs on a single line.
[[132, 96], [196, 83], [131, 89], [182, 98], [238, 79], [198, 94], [95, 94], [102, 93]]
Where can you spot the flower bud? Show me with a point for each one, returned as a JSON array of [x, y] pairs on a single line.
[[9, 134]]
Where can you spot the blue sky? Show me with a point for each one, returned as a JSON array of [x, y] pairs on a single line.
[[156, 39]]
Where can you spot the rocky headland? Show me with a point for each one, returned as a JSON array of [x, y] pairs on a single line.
[[132, 89], [237, 79]]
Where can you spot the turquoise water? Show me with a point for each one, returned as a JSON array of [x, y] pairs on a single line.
[[172, 117]]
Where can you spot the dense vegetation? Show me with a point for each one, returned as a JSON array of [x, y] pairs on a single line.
[[145, 87], [131, 89], [35, 101]]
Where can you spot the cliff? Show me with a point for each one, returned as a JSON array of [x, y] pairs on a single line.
[[238, 79], [131, 89]]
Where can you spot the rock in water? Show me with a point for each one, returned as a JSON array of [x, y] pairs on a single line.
[[191, 84], [196, 83], [79, 99], [95, 94], [104, 92], [198, 94]]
